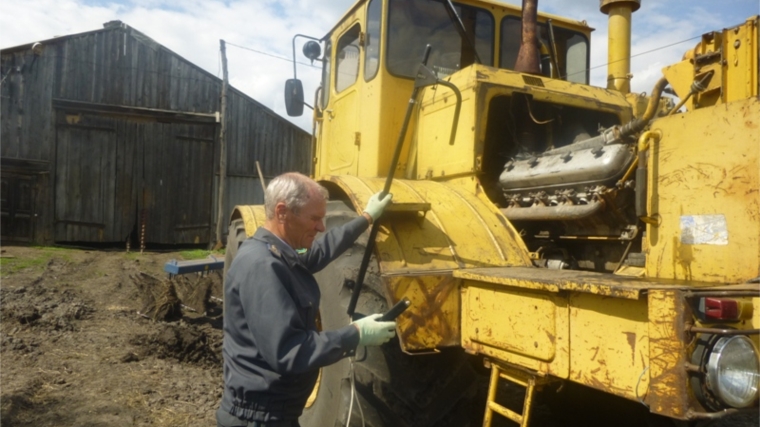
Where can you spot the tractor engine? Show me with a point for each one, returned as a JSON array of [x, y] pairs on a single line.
[[563, 176]]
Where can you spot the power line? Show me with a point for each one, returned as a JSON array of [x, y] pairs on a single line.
[[638, 54], [271, 55]]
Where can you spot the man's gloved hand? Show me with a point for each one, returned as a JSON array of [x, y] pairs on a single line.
[[372, 332], [376, 205]]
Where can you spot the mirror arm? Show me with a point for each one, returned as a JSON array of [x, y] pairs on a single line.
[[294, 50]]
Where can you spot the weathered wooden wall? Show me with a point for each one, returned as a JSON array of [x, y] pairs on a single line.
[[115, 130]]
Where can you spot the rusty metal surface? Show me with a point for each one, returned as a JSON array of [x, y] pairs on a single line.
[[528, 56], [572, 280], [432, 320]]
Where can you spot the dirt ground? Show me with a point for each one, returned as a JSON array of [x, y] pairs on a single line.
[[80, 346], [77, 349]]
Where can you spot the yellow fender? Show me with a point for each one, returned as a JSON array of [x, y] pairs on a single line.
[[436, 226], [430, 230]]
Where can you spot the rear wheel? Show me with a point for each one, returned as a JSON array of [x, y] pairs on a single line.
[[392, 388], [235, 237]]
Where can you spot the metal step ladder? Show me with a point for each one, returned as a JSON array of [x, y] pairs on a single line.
[[531, 382]]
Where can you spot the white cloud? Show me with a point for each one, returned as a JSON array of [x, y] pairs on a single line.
[[193, 28]]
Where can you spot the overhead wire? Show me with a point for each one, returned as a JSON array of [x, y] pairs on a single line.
[[272, 55], [634, 56]]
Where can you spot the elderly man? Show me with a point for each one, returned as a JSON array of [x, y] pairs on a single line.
[[272, 348]]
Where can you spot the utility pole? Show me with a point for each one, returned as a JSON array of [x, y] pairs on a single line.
[[222, 148]]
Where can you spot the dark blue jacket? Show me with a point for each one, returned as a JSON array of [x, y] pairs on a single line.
[[272, 349]]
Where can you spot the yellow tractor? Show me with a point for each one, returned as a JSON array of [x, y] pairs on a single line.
[[573, 255]]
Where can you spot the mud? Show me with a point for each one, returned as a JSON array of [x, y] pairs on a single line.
[[99, 338]]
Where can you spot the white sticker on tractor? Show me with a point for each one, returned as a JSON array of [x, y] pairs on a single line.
[[704, 230]]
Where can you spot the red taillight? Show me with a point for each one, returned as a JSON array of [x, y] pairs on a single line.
[[721, 308]]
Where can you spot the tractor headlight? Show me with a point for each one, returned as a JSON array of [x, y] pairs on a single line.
[[733, 370]]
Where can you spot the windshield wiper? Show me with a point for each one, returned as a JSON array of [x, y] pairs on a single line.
[[454, 16]]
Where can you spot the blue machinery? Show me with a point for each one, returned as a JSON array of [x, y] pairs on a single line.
[[174, 267]]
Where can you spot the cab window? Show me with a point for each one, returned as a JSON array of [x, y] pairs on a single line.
[[414, 24], [572, 50], [347, 59], [372, 42]]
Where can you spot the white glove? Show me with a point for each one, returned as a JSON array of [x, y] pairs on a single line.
[[376, 205], [372, 332]]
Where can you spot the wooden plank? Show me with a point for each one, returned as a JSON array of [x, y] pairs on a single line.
[[128, 111]]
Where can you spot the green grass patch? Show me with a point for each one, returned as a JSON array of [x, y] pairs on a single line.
[[200, 254], [39, 260]]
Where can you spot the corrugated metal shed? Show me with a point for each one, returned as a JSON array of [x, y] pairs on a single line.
[[107, 134]]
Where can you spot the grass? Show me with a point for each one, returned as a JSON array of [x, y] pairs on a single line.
[[9, 266], [200, 254]]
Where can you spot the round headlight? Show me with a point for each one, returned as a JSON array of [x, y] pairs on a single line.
[[733, 370]]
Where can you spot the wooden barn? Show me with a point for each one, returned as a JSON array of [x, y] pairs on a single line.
[[107, 135]]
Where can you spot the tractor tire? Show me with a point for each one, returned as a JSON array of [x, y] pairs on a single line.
[[393, 388], [235, 237]]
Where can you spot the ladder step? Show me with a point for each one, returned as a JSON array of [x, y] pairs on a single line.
[[505, 412], [526, 379]]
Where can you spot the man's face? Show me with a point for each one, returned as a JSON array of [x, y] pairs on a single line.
[[301, 228]]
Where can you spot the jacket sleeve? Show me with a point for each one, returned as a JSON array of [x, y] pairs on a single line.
[[333, 243], [279, 334]]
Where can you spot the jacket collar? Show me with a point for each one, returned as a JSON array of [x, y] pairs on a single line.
[[277, 246]]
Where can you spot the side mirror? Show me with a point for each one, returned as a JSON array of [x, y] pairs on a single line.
[[312, 50], [294, 97]]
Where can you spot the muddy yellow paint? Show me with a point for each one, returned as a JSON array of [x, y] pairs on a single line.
[[609, 341], [706, 168], [519, 326], [432, 319], [668, 392]]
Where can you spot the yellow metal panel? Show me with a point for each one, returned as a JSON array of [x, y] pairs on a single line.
[[680, 76], [518, 326], [667, 394], [436, 157], [513, 320], [704, 180], [581, 96], [740, 47], [571, 280], [609, 343], [340, 130]]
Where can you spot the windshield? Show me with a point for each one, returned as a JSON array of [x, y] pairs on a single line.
[[414, 24], [572, 50]]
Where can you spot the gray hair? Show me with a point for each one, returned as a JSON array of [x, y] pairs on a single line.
[[293, 189]]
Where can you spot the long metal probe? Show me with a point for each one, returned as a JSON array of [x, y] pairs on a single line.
[[388, 181]]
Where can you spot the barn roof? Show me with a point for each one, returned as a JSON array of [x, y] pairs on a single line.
[[118, 25]]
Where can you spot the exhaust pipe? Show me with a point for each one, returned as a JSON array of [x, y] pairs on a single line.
[[528, 59], [619, 42]]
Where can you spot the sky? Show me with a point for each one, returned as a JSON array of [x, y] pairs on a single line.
[[259, 33]]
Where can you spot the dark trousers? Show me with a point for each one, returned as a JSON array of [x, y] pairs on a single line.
[[224, 419]]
